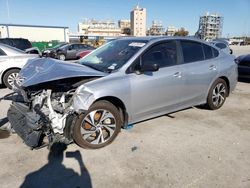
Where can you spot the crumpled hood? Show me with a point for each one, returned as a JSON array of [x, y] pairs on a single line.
[[47, 69]]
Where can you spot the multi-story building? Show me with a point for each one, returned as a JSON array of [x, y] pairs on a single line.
[[138, 21], [156, 28], [99, 28], [210, 26], [125, 26], [171, 30]]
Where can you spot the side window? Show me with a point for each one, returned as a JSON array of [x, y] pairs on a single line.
[[163, 54], [2, 53], [245, 63], [192, 51], [73, 47], [208, 51], [215, 52], [220, 45]]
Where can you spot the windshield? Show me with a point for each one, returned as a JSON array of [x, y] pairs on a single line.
[[113, 55]]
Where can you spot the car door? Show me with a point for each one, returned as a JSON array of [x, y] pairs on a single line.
[[72, 50], [199, 68], [153, 93]]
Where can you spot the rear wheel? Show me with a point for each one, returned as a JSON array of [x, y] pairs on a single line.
[[217, 94], [98, 127], [10, 77]]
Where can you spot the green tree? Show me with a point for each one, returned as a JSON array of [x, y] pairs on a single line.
[[181, 32]]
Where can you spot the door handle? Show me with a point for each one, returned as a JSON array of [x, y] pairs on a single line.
[[212, 67], [177, 74]]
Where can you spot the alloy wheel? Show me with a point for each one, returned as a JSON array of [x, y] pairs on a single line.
[[12, 78], [98, 126], [219, 94]]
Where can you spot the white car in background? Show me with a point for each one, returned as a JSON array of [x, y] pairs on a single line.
[[223, 45], [11, 62]]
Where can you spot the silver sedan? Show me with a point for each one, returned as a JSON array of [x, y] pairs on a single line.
[[123, 82], [11, 62]]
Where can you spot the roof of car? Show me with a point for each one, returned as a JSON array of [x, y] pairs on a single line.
[[8, 47], [152, 38]]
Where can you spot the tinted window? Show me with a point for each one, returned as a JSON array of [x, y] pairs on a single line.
[[192, 51], [244, 63], [215, 52], [163, 54], [220, 45], [208, 51], [2, 52]]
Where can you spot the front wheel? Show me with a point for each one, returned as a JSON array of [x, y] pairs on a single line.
[[217, 94], [98, 127]]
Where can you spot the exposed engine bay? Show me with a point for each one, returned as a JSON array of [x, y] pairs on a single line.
[[42, 114]]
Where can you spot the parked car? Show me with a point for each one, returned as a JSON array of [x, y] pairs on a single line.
[[82, 54], [123, 82], [244, 66], [48, 52], [22, 44], [69, 51], [11, 61], [223, 46]]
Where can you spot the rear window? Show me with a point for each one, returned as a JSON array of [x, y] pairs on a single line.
[[192, 51], [215, 52], [208, 51], [2, 52], [220, 45]]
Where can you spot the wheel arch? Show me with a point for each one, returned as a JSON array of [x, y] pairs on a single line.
[[119, 104], [227, 82], [5, 71]]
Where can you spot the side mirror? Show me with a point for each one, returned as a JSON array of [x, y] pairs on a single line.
[[70, 48], [150, 68]]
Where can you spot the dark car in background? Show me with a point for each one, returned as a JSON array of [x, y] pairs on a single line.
[[19, 43], [22, 44], [244, 66], [48, 51], [69, 51]]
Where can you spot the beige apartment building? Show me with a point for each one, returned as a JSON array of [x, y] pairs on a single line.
[[99, 28], [138, 21]]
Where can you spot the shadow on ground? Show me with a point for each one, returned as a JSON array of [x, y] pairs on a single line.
[[55, 174]]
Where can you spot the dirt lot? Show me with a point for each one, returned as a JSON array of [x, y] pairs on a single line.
[[191, 148]]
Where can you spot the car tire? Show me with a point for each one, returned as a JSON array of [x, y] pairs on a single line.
[[61, 57], [217, 94], [9, 77], [98, 127]]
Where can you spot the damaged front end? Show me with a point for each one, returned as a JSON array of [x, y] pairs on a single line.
[[42, 113]]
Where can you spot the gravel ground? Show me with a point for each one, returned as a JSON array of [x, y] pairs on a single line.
[[240, 50], [190, 148]]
